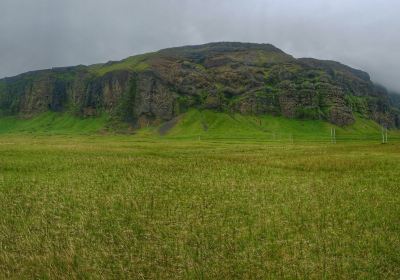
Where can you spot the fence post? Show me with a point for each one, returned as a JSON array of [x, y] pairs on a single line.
[[386, 138], [333, 135]]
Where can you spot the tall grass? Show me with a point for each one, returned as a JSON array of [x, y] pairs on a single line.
[[118, 207]]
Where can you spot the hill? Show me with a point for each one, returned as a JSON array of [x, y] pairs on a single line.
[[230, 78]]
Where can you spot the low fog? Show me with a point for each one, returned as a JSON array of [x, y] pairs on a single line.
[[48, 33]]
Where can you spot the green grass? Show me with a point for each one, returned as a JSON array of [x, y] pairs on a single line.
[[123, 207], [205, 124], [53, 123], [134, 63], [212, 125]]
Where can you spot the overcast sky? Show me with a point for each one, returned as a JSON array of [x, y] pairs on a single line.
[[37, 34]]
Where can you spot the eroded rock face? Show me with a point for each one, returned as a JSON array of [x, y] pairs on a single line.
[[233, 77], [154, 101]]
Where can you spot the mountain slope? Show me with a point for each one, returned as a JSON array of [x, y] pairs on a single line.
[[208, 124], [200, 125], [250, 79]]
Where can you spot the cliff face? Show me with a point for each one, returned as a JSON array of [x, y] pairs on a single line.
[[233, 77]]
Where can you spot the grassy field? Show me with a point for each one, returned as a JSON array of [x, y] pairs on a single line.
[[128, 207], [213, 196]]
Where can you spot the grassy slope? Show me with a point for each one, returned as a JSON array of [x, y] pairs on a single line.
[[114, 207], [135, 63], [208, 124], [197, 124], [52, 123]]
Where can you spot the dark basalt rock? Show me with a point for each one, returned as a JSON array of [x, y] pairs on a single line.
[[234, 77]]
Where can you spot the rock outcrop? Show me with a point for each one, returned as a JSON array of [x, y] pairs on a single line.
[[234, 77]]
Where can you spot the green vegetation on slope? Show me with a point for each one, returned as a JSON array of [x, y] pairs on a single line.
[[116, 208], [204, 124], [209, 124], [134, 63], [53, 123]]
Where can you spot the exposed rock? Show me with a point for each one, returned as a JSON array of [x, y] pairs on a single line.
[[234, 77]]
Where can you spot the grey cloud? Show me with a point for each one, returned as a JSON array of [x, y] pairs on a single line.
[[46, 33]]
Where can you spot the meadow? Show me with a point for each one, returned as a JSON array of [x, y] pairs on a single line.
[[188, 206]]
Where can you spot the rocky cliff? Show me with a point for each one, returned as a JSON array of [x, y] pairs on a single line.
[[231, 77]]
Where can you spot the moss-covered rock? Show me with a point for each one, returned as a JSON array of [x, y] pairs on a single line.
[[232, 77]]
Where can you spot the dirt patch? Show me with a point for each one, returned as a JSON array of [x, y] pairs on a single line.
[[205, 125], [167, 126]]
